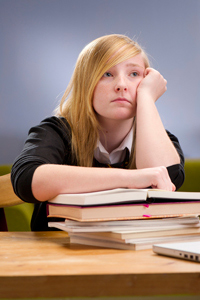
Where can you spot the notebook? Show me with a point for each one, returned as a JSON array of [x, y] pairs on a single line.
[[185, 250]]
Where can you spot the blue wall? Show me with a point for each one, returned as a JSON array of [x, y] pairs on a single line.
[[40, 42]]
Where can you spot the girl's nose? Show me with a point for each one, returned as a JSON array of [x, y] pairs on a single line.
[[121, 89], [121, 85]]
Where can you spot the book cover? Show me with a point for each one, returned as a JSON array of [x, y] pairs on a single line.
[[123, 211]]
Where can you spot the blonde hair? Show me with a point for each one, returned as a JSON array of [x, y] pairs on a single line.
[[77, 102]]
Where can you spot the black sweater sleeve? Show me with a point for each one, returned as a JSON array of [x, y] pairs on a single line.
[[47, 143], [176, 172]]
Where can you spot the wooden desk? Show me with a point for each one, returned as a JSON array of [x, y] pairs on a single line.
[[46, 265]]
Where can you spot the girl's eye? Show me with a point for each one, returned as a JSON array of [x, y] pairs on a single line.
[[134, 74], [107, 74]]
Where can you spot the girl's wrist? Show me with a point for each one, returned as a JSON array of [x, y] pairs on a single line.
[[144, 97], [124, 178]]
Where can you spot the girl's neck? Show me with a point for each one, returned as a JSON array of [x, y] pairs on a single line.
[[114, 133]]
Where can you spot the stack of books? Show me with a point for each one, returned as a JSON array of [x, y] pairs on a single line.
[[127, 219]]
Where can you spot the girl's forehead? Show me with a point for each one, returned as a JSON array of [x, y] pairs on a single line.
[[135, 61]]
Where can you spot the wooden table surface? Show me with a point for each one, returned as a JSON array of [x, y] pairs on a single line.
[[45, 264]]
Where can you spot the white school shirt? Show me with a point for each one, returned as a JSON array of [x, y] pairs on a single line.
[[118, 154]]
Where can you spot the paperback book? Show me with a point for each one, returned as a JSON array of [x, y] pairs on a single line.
[[133, 235]]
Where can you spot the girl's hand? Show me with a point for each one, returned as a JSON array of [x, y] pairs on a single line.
[[152, 85], [157, 178]]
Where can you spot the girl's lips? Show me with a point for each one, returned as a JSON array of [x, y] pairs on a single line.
[[121, 100]]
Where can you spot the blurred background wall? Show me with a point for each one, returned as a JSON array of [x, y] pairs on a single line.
[[41, 39]]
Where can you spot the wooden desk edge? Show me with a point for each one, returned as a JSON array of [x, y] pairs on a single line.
[[100, 285]]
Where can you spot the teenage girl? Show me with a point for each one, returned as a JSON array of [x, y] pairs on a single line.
[[106, 133]]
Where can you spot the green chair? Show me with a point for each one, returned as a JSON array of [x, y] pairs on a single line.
[[192, 176], [18, 216]]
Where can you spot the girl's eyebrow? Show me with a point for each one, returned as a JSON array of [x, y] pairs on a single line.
[[134, 65]]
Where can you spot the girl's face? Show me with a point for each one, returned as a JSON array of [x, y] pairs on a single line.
[[115, 93]]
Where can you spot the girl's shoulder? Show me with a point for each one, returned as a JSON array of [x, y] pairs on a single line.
[[52, 129], [53, 125], [59, 122]]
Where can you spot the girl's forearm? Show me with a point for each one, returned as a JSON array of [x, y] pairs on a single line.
[[153, 146], [51, 180]]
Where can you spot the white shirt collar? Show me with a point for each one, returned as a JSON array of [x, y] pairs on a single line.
[[118, 154]]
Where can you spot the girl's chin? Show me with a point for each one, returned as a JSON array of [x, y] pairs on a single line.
[[119, 115]]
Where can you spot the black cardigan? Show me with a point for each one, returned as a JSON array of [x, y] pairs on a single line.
[[50, 143]]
